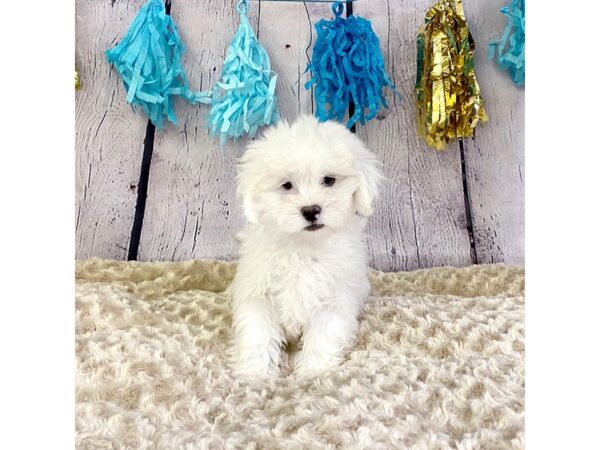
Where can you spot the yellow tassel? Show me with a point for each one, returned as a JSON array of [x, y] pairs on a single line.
[[77, 84], [449, 103]]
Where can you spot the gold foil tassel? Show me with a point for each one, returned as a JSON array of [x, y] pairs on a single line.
[[77, 84], [449, 103]]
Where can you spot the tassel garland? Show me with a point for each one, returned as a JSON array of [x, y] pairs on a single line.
[[509, 50], [244, 98], [449, 103], [347, 66], [77, 82], [148, 59]]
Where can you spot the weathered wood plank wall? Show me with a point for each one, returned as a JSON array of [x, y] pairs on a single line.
[[495, 158], [191, 210], [421, 222], [109, 137]]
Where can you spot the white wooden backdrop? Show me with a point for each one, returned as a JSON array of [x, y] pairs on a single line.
[[191, 211]]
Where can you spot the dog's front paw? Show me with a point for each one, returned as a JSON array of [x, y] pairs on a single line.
[[310, 364], [252, 367]]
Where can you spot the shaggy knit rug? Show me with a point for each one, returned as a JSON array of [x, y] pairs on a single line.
[[438, 363]]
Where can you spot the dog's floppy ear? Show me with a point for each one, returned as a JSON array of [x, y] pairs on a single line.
[[245, 187], [249, 211], [369, 175], [251, 168]]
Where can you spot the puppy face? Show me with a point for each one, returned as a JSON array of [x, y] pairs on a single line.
[[307, 178]]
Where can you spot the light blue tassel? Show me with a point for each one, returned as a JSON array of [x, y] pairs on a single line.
[[509, 50], [347, 66], [148, 58], [244, 98]]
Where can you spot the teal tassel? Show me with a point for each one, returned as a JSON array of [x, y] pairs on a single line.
[[148, 58], [347, 66], [244, 98], [509, 50]]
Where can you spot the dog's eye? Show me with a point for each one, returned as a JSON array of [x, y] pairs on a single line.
[[287, 185], [328, 181]]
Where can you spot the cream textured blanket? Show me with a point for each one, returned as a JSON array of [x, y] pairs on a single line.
[[438, 363]]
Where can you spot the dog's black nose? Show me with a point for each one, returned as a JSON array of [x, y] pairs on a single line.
[[310, 213]]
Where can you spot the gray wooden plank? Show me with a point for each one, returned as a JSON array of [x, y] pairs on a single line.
[[108, 136], [285, 31], [495, 158], [192, 210], [420, 219]]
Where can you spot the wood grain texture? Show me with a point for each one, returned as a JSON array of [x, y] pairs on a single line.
[[495, 158], [109, 135], [420, 219], [285, 31], [192, 210]]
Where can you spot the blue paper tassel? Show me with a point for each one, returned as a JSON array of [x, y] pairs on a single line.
[[347, 66], [509, 50], [148, 58], [244, 98]]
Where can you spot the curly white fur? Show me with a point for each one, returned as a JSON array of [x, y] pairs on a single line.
[[301, 276]]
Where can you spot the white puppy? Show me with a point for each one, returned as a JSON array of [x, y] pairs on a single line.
[[306, 190]]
